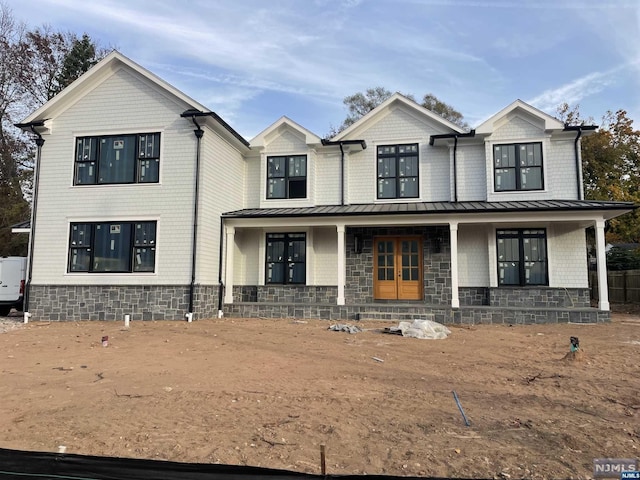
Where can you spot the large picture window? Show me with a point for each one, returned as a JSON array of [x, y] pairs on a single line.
[[522, 257], [286, 258], [518, 166], [397, 172], [112, 247], [117, 159], [287, 177]]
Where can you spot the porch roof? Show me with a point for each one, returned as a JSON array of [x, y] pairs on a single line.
[[435, 208]]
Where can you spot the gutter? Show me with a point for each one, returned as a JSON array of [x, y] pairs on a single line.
[[455, 137], [34, 207], [193, 113], [198, 133], [576, 152], [341, 143]]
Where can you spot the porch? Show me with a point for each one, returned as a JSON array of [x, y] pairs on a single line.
[[397, 262]]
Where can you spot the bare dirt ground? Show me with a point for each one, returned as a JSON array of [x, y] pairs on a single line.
[[270, 392]]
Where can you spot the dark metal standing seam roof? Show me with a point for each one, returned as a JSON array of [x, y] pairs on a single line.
[[432, 208]]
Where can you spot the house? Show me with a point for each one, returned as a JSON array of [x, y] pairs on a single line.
[[149, 204]]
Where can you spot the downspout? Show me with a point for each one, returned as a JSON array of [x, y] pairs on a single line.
[[578, 166], [34, 207], [455, 169], [199, 133], [341, 174], [220, 282]]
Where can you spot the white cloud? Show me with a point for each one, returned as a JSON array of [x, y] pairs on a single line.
[[580, 88]]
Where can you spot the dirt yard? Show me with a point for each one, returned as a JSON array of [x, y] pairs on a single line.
[[270, 392]]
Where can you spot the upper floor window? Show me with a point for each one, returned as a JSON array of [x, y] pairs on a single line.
[[398, 171], [112, 247], [286, 258], [522, 257], [117, 159], [287, 176], [518, 166]]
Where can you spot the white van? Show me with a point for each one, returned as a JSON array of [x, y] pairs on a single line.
[[12, 276]]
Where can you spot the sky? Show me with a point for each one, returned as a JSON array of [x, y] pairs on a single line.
[[253, 61]]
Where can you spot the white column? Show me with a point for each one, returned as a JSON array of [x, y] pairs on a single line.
[[342, 268], [228, 271], [603, 288], [453, 230]]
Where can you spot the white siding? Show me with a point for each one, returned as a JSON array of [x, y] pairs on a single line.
[[222, 171], [560, 164], [328, 178], [559, 167], [398, 126], [287, 142], [471, 167], [247, 259], [121, 104], [567, 255], [254, 184], [325, 256], [473, 256]]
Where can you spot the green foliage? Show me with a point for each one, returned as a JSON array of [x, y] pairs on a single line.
[[80, 58], [361, 103], [623, 259]]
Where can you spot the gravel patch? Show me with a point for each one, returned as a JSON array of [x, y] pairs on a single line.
[[12, 322]]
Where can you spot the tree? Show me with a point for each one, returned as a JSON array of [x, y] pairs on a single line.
[[610, 164], [359, 104], [35, 65], [81, 57], [446, 111], [13, 207]]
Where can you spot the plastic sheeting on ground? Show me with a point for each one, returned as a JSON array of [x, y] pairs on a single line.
[[21, 465], [425, 329]]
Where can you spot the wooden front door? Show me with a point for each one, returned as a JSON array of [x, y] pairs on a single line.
[[397, 272]]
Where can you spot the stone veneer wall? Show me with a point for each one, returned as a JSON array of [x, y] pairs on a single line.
[[545, 297], [436, 263], [394, 313], [286, 293], [111, 302]]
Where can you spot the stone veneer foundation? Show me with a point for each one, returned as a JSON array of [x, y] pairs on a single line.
[[110, 302]]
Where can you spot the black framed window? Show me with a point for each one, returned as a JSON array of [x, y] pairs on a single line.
[[112, 247], [522, 257], [287, 176], [286, 258], [397, 171], [518, 166], [113, 159]]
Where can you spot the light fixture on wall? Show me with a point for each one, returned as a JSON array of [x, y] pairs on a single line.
[[437, 245], [357, 243]]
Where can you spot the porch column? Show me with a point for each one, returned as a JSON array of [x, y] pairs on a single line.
[[603, 292], [453, 230], [228, 271], [342, 269]]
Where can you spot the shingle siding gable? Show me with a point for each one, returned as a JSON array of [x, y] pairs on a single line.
[[124, 104]]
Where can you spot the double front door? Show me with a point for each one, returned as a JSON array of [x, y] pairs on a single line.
[[397, 272]]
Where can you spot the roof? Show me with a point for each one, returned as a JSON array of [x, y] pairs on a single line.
[[432, 208]]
